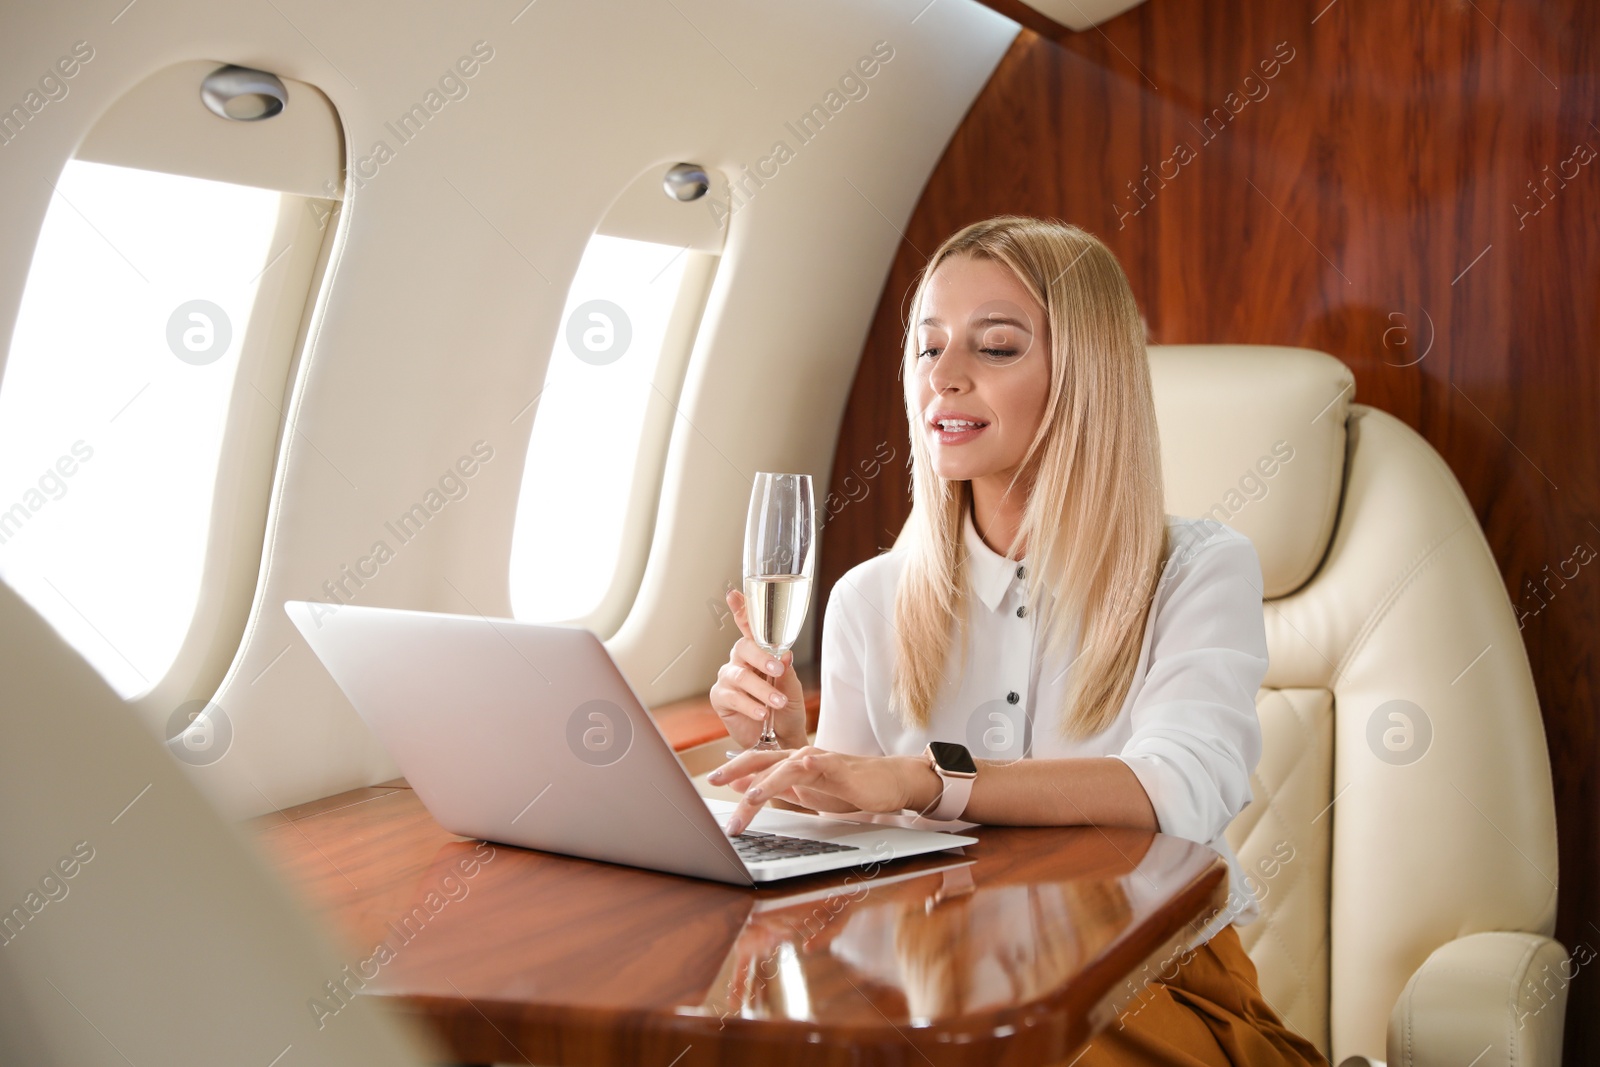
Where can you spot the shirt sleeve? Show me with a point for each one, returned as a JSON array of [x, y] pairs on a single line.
[[842, 723], [1196, 735]]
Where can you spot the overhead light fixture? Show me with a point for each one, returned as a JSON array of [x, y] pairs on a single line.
[[686, 181], [243, 95]]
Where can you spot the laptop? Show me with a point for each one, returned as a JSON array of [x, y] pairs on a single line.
[[527, 734]]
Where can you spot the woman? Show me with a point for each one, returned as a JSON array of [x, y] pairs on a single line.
[[1108, 680]]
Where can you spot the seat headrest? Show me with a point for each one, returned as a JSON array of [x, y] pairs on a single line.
[[1254, 437]]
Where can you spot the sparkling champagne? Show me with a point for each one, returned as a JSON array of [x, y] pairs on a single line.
[[776, 607]]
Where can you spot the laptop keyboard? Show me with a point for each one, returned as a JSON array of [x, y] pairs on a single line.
[[754, 846]]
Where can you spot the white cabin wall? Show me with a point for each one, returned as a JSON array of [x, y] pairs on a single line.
[[437, 328]]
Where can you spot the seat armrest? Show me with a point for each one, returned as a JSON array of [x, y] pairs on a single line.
[[1491, 999]]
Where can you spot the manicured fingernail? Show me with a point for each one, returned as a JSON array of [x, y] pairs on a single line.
[[754, 794], [714, 776], [733, 828], [773, 666]]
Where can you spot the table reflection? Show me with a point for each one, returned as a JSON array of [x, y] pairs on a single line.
[[929, 946]]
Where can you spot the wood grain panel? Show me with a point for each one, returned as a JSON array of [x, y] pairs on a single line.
[[1408, 186]]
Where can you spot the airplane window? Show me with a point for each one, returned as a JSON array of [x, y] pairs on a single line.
[[596, 418], [114, 402]]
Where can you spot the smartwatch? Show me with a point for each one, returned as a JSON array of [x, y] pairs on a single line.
[[953, 764]]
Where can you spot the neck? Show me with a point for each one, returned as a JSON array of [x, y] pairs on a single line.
[[997, 520]]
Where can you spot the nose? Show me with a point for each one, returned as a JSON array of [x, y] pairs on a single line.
[[949, 371]]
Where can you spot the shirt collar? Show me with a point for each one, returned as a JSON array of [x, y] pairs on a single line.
[[989, 573]]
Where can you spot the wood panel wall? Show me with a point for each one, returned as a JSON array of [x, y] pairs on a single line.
[[1375, 180]]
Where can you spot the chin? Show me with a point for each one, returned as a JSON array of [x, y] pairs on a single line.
[[956, 472]]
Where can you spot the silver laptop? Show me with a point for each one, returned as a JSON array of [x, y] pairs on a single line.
[[529, 735]]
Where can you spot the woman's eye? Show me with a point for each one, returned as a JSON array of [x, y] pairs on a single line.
[[999, 353]]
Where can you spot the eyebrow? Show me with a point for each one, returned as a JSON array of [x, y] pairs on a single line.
[[991, 320]]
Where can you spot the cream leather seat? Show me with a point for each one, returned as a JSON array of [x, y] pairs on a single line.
[[138, 927], [1403, 823]]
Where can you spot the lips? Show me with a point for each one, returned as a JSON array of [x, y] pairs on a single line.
[[955, 416], [957, 437]]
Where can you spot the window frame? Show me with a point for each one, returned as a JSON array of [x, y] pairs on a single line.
[[161, 113], [641, 212]]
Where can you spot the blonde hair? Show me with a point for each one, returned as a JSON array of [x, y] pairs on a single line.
[[1094, 523]]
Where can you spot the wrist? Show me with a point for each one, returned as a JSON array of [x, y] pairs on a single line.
[[922, 784]]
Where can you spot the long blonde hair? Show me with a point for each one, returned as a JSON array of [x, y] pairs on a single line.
[[1094, 523]]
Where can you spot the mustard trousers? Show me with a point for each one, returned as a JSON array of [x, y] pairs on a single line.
[[1212, 1014]]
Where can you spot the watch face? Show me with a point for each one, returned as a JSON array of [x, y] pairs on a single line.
[[952, 757]]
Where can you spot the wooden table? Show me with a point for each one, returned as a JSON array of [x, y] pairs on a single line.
[[1014, 952]]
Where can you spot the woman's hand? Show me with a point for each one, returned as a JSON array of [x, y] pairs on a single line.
[[742, 696], [826, 781]]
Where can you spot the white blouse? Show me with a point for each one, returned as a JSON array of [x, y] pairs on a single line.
[[1188, 727]]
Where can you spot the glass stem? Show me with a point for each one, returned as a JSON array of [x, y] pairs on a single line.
[[769, 732]]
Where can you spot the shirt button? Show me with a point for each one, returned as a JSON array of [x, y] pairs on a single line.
[[1020, 572], [1012, 698], [1022, 611]]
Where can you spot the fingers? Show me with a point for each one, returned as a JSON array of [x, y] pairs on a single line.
[[744, 767], [745, 691], [748, 762], [743, 682], [744, 782], [803, 766], [747, 650], [742, 814], [741, 617], [726, 695], [754, 683], [754, 656]]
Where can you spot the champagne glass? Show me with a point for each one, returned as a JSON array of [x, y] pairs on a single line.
[[779, 560]]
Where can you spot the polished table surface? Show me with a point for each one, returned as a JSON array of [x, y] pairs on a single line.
[[1015, 950]]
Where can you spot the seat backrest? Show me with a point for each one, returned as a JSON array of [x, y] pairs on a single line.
[[1256, 438], [137, 926], [1404, 795]]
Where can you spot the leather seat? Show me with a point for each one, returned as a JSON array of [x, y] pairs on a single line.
[[1403, 828], [138, 926]]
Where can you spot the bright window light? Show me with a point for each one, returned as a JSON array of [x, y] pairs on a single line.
[[586, 438], [113, 404]]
